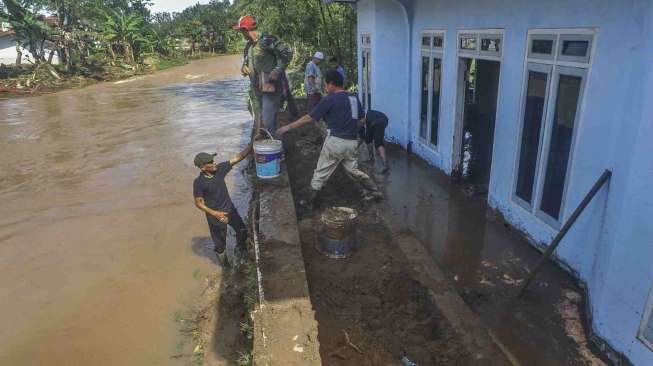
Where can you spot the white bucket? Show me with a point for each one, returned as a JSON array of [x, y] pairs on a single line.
[[268, 158]]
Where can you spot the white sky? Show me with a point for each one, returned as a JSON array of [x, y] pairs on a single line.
[[174, 5]]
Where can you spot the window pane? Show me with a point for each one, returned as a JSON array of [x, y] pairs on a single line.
[[426, 41], [365, 80], [435, 100], [425, 98], [468, 42], [491, 44], [563, 127], [542, 46], [437, 42], [575, 48], [530, 138]]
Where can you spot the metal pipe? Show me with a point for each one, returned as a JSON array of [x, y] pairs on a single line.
[[565, 228]]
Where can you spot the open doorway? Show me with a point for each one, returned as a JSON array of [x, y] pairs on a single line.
[[478, 86]]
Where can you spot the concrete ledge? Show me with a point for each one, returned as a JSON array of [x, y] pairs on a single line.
[[285, 329], [475, 336]]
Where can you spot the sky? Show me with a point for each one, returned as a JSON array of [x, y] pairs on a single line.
[[173, 5]]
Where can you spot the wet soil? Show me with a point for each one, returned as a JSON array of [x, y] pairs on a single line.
[[370, 308]]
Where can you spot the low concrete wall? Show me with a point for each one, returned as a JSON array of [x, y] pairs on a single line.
[[285, 329]]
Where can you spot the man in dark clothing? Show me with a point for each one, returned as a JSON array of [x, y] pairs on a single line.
[[265, 60], [212, 198], [342, 112], [375, 125]]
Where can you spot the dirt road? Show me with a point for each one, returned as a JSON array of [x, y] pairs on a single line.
[[101, 251]]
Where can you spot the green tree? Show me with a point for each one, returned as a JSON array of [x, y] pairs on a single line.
[[124, 31], [29, 27]]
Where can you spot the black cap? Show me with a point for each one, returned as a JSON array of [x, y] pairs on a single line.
[[203, 158]]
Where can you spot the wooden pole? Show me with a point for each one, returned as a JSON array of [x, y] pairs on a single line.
[[565, 228]]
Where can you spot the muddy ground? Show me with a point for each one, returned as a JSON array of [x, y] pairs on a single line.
[[372, 297]]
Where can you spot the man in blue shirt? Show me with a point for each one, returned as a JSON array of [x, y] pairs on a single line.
[[342, 112]]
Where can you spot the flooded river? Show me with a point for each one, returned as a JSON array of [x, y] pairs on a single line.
[[101, 248]]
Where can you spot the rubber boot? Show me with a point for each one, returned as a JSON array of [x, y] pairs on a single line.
[[371, 190], [309, 202]]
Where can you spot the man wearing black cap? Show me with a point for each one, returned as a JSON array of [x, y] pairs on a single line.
[[212, 197]]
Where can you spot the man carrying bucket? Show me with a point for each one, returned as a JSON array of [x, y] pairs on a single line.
[[212, 198], [265, 60], [341, 111]]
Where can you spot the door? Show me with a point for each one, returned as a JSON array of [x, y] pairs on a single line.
[[480, 85]]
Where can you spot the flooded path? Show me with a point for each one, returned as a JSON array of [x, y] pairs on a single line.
[[101, 247], [486, 260]]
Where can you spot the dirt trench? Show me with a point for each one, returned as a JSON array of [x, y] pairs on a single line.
[[370, 308]]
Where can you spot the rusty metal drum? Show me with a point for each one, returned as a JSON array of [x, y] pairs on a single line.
[[337, 234]]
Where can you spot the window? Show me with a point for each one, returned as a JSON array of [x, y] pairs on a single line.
[[542, 46], [535, 100], [424, 110], [575, 48], [366, 85], [432, 47], [487, 44], [553, 92], [646, 328]]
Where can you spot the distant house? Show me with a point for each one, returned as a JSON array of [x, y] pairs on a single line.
[[530, 101], [8, 52]]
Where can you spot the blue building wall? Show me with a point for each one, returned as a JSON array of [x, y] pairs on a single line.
[[611, 246]]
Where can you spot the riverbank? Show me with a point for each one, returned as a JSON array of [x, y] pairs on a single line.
[[28, 80]]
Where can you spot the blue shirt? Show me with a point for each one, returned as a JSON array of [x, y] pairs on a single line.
[[341, 111], [314, 71]]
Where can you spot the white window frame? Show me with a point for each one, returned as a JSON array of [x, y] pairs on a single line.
[[646, 317], [480, 34], [432, 53], [366, 86], [548, 70], [460, 97], [559, 66]]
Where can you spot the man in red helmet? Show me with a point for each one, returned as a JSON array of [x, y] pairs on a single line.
[[265, 61]]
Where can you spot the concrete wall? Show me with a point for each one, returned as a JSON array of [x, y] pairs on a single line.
[[611, 246], [391, 97], [8, 52]]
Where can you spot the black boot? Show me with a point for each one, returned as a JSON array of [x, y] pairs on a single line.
[[309, 202], [371, 191]]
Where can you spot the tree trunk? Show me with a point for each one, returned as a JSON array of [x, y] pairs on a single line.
[[50, 56], [19, 53]]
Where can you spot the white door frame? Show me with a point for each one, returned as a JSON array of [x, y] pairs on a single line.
[[456, 158]]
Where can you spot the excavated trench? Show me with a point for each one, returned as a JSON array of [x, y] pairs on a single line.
[[370, 308]]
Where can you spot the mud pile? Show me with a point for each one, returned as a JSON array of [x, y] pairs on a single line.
[[370, 308]]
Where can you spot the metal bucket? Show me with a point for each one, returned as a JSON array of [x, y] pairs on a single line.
[[337, 237]]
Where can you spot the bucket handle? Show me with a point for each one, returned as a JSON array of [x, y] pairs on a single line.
[[267, 132]]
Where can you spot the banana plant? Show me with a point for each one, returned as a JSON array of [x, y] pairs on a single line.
[[125, 30]]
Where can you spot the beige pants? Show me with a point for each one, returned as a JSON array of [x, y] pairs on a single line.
[[335, 151]]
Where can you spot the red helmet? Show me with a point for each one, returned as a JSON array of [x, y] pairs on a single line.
[[246, 22]]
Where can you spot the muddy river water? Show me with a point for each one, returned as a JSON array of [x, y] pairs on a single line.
[[101, 249]]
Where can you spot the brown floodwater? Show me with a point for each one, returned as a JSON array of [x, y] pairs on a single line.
[[101, 248]]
